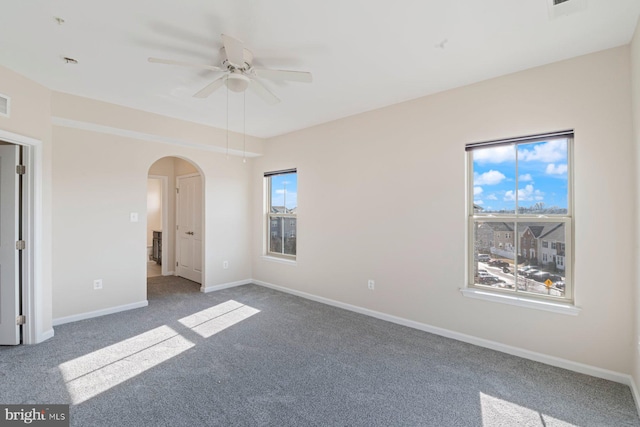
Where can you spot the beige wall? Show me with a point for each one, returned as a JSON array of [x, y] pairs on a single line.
[[635, 93], [100, 178], [30, 116], [381, 196]]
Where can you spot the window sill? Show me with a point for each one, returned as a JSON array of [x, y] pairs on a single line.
[[555, 307], [279, 260]]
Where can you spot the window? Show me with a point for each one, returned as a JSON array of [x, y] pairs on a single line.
[[524, 185], [282, 205]]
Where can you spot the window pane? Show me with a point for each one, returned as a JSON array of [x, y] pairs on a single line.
[[541, 268], [283, 204], [284, 193], [275, 235], [494, 254], [290, 235], [494, 185], [542, 177]]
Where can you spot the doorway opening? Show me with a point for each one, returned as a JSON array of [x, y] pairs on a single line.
[[175, 223], [23, 297], [157, 221]]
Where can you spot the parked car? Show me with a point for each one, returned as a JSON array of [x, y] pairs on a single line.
[[483, 257], [523, 270], [559, 285], [489, 280], [498, 263], [529, 273]]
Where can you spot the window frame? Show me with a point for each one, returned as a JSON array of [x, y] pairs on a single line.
[[517, 218], [271, 215]]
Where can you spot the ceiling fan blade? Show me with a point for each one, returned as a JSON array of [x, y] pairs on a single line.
[[234, 49], [294, 76], [264, 93], [185, 64], [210, 88]]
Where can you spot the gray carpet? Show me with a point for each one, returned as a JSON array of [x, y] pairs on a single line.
[[251, 356]]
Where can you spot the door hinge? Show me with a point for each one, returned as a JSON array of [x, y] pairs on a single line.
[[21, 169], [177, 190], [21, 245], [176, 263], [21, 320]]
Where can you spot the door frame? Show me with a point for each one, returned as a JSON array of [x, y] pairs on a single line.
[[164, 180], [202, 219], [32, 287]]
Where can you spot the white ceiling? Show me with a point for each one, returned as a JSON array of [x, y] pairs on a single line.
[[364, 54]]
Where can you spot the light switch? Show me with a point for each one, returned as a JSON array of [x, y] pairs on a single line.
[[134, 216]]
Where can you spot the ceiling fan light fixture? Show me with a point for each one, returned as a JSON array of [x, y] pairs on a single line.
[[237, 82]]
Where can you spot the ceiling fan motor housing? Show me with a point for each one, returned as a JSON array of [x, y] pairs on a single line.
[[237, 82], [247, 56]]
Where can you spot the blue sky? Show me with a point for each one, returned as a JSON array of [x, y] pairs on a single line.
[[542, 175], [284, 185]]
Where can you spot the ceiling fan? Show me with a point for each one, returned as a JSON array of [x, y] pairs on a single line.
[[240, 74]]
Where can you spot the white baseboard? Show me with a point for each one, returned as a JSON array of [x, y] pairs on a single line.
[[98, 313], [634, 392], [206, 289], [481, 342], [44, 336]]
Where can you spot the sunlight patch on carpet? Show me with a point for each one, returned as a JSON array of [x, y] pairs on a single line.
[[500, 412], [212, 320], [94, 373]]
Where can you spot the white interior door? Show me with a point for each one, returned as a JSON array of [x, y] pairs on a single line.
[[9, 295], [189, 222]]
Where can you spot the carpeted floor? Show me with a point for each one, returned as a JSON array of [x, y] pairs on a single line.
[[251, 356]]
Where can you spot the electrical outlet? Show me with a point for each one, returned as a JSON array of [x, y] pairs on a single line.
[[225, 264], [133, 216], [97, 284], [371, 284]]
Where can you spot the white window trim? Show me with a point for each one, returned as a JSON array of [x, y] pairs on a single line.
[[566, 305], [267, 254], [279, 260], [522, 301]]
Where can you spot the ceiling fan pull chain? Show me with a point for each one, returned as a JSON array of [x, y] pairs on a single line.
[[227, 122], [244, 127]]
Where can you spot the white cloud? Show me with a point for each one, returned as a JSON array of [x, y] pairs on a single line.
[[551, 151], [491, 197], [525, 178], [552, 169], [292, 199], [528, 193], [478, 202], [498, 154], [477, 190], [488, 178]]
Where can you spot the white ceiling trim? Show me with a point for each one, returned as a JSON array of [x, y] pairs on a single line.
[[109, 130]]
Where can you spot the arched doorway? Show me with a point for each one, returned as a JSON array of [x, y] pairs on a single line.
[[175, 219]]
